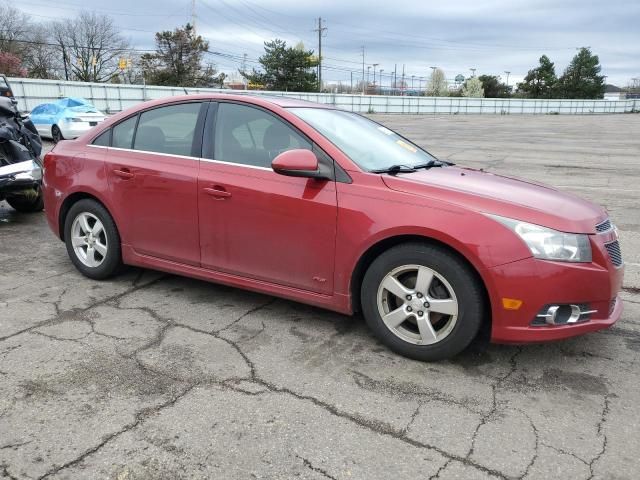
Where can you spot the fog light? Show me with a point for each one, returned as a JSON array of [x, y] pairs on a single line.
[[563, 314]]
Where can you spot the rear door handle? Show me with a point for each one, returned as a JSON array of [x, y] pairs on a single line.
[[123, 173], [217, 192]]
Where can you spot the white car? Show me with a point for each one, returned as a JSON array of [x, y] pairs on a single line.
[[66, 118]]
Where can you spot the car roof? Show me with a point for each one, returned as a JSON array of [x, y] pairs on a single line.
[[264, 100]]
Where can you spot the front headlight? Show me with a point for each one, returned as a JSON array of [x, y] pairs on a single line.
[[550, 244]]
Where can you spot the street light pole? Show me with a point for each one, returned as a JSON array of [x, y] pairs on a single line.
[[473, 72]]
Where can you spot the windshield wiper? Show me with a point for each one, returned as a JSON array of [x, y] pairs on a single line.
[[394, 169], [429, 164]]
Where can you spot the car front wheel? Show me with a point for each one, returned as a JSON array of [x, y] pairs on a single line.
[[422, 301], [92, 240]]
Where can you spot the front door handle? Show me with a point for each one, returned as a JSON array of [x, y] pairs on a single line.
[[217, 192], [123, 173]]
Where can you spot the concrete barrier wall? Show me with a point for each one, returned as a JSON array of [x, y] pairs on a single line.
[[114, 98]]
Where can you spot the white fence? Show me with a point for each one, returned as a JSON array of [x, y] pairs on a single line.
[[113, 98]]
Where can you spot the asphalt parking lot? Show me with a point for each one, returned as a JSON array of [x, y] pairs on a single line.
[[156, 376]]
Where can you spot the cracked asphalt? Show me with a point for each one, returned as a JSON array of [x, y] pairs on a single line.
[[154, 376]]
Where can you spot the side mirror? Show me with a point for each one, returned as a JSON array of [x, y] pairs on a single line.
[[298, 163]]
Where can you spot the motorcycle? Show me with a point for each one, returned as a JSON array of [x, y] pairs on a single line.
[[20, 164]]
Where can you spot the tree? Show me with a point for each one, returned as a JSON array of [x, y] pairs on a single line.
[[42, 59], [437, 85], [493, 87], [10, 65], [582, 78], [15, 27], [541, 81], [285, 68], [473, 88], [178, 60], [90, 45]]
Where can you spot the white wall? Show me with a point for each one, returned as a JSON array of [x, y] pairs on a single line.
[[114, 98]]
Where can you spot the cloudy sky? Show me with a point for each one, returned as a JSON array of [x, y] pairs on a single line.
[[492, 36]]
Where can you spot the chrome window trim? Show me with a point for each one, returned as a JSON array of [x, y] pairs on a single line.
[[184, 156], [236, 164]]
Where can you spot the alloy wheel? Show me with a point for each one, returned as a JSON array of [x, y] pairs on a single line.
[[89, 239], [417, 304]]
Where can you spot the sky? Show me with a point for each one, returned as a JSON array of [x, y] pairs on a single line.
[[490, 36]]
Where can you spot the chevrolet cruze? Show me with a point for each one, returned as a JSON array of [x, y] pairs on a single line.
[[323, 206]]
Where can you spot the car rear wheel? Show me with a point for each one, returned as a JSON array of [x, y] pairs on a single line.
[[92, 240], [56, 134], [422, 301]]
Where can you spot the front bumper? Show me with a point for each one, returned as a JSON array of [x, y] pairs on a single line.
[[539, 283]]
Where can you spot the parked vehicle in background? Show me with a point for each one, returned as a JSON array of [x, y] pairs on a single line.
[[67, 118], [20, 166], [5, 88], [327, 207]]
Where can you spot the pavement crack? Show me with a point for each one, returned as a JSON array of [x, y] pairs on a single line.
[[484, 419], [4, 469], [405, 430], [53, 337], [61, 313], [600, 433], [247, 313], [310, 466], [440, 470], [536, 447], [140, 417], [15, 445]]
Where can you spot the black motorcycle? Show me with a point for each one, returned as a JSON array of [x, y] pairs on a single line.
[[20, 164]]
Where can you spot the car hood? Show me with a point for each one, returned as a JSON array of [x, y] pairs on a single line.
[[500, 195]]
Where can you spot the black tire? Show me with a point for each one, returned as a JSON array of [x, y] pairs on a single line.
[[111, 263], [56, 134], [25, 204], [461, 278]]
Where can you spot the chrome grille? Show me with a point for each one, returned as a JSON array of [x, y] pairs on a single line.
[[615, 254], [603, 226]]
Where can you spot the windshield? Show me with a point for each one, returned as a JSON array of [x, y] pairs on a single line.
[[370, 145]]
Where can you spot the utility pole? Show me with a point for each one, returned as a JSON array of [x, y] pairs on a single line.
[[193, 14], [320, 31], [473, 72], [244, 69], [368, 70], [64, 59], [362, 70], [381, 84], [507, 72], [374, 76], [395, 77], [402, 82], [351, 90]]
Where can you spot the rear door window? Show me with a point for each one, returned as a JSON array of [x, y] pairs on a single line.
[[169, 129]]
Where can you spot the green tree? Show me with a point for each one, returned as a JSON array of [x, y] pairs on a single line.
[[284, 69], [582, 78], [493, 87], [541, 81], [178, 60], [473, 88]]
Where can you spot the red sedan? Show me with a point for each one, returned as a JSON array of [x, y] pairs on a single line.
[[327, 207]]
